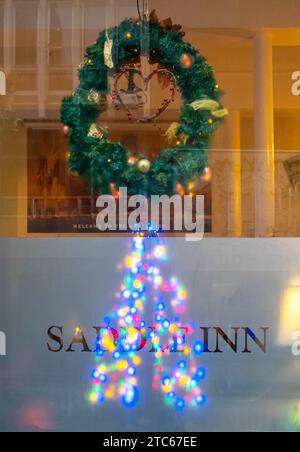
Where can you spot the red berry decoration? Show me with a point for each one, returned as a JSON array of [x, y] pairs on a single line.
[[65, 131]]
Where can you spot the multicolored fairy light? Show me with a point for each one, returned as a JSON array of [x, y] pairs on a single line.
[[117, 349]]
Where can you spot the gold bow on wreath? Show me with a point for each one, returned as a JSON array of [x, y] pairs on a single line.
[[171, 134], [202, 104], [211, 105]]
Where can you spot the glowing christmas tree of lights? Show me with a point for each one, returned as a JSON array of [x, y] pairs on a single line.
[[118, 356]]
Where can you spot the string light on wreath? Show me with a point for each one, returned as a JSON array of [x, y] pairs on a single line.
[[118, 361], [65, 131], [187, 61], [207, 175], [132, 160]]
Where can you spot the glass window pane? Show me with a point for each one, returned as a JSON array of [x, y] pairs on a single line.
[[94, 21], [1, 33], [60, 33], [26, 33]]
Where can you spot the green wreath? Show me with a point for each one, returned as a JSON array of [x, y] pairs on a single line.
[[108, 164]]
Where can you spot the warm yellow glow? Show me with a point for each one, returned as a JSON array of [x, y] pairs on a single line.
[[187, 61], [114, 191], [102, 368], [93, 398], [167, 388], [158, 280], [128, 262], [123, 312], [180, 190], [182, 295], [289, 313], [160, 251], [173, 328], [110, 393], [184, 380], [137, 361], [139, 304], [155, 340], [122, 365], [295, 281], [132, 335], [137, 284], [108, 343], [206, 177]]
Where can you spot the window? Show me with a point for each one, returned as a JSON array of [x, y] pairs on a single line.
[[60, 33], [1, 34], [94, 21], [26, 18]]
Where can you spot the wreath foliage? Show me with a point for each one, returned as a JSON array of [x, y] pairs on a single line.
[[103, 162]]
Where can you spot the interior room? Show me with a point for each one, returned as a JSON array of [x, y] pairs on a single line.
[[248, 192]]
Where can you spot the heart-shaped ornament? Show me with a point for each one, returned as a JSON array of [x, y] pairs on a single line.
[[134, 98]]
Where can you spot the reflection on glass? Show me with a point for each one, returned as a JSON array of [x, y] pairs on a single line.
[[289, 313], [176, 370]]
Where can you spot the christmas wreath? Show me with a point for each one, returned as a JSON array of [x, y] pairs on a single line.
[[118, 51]]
